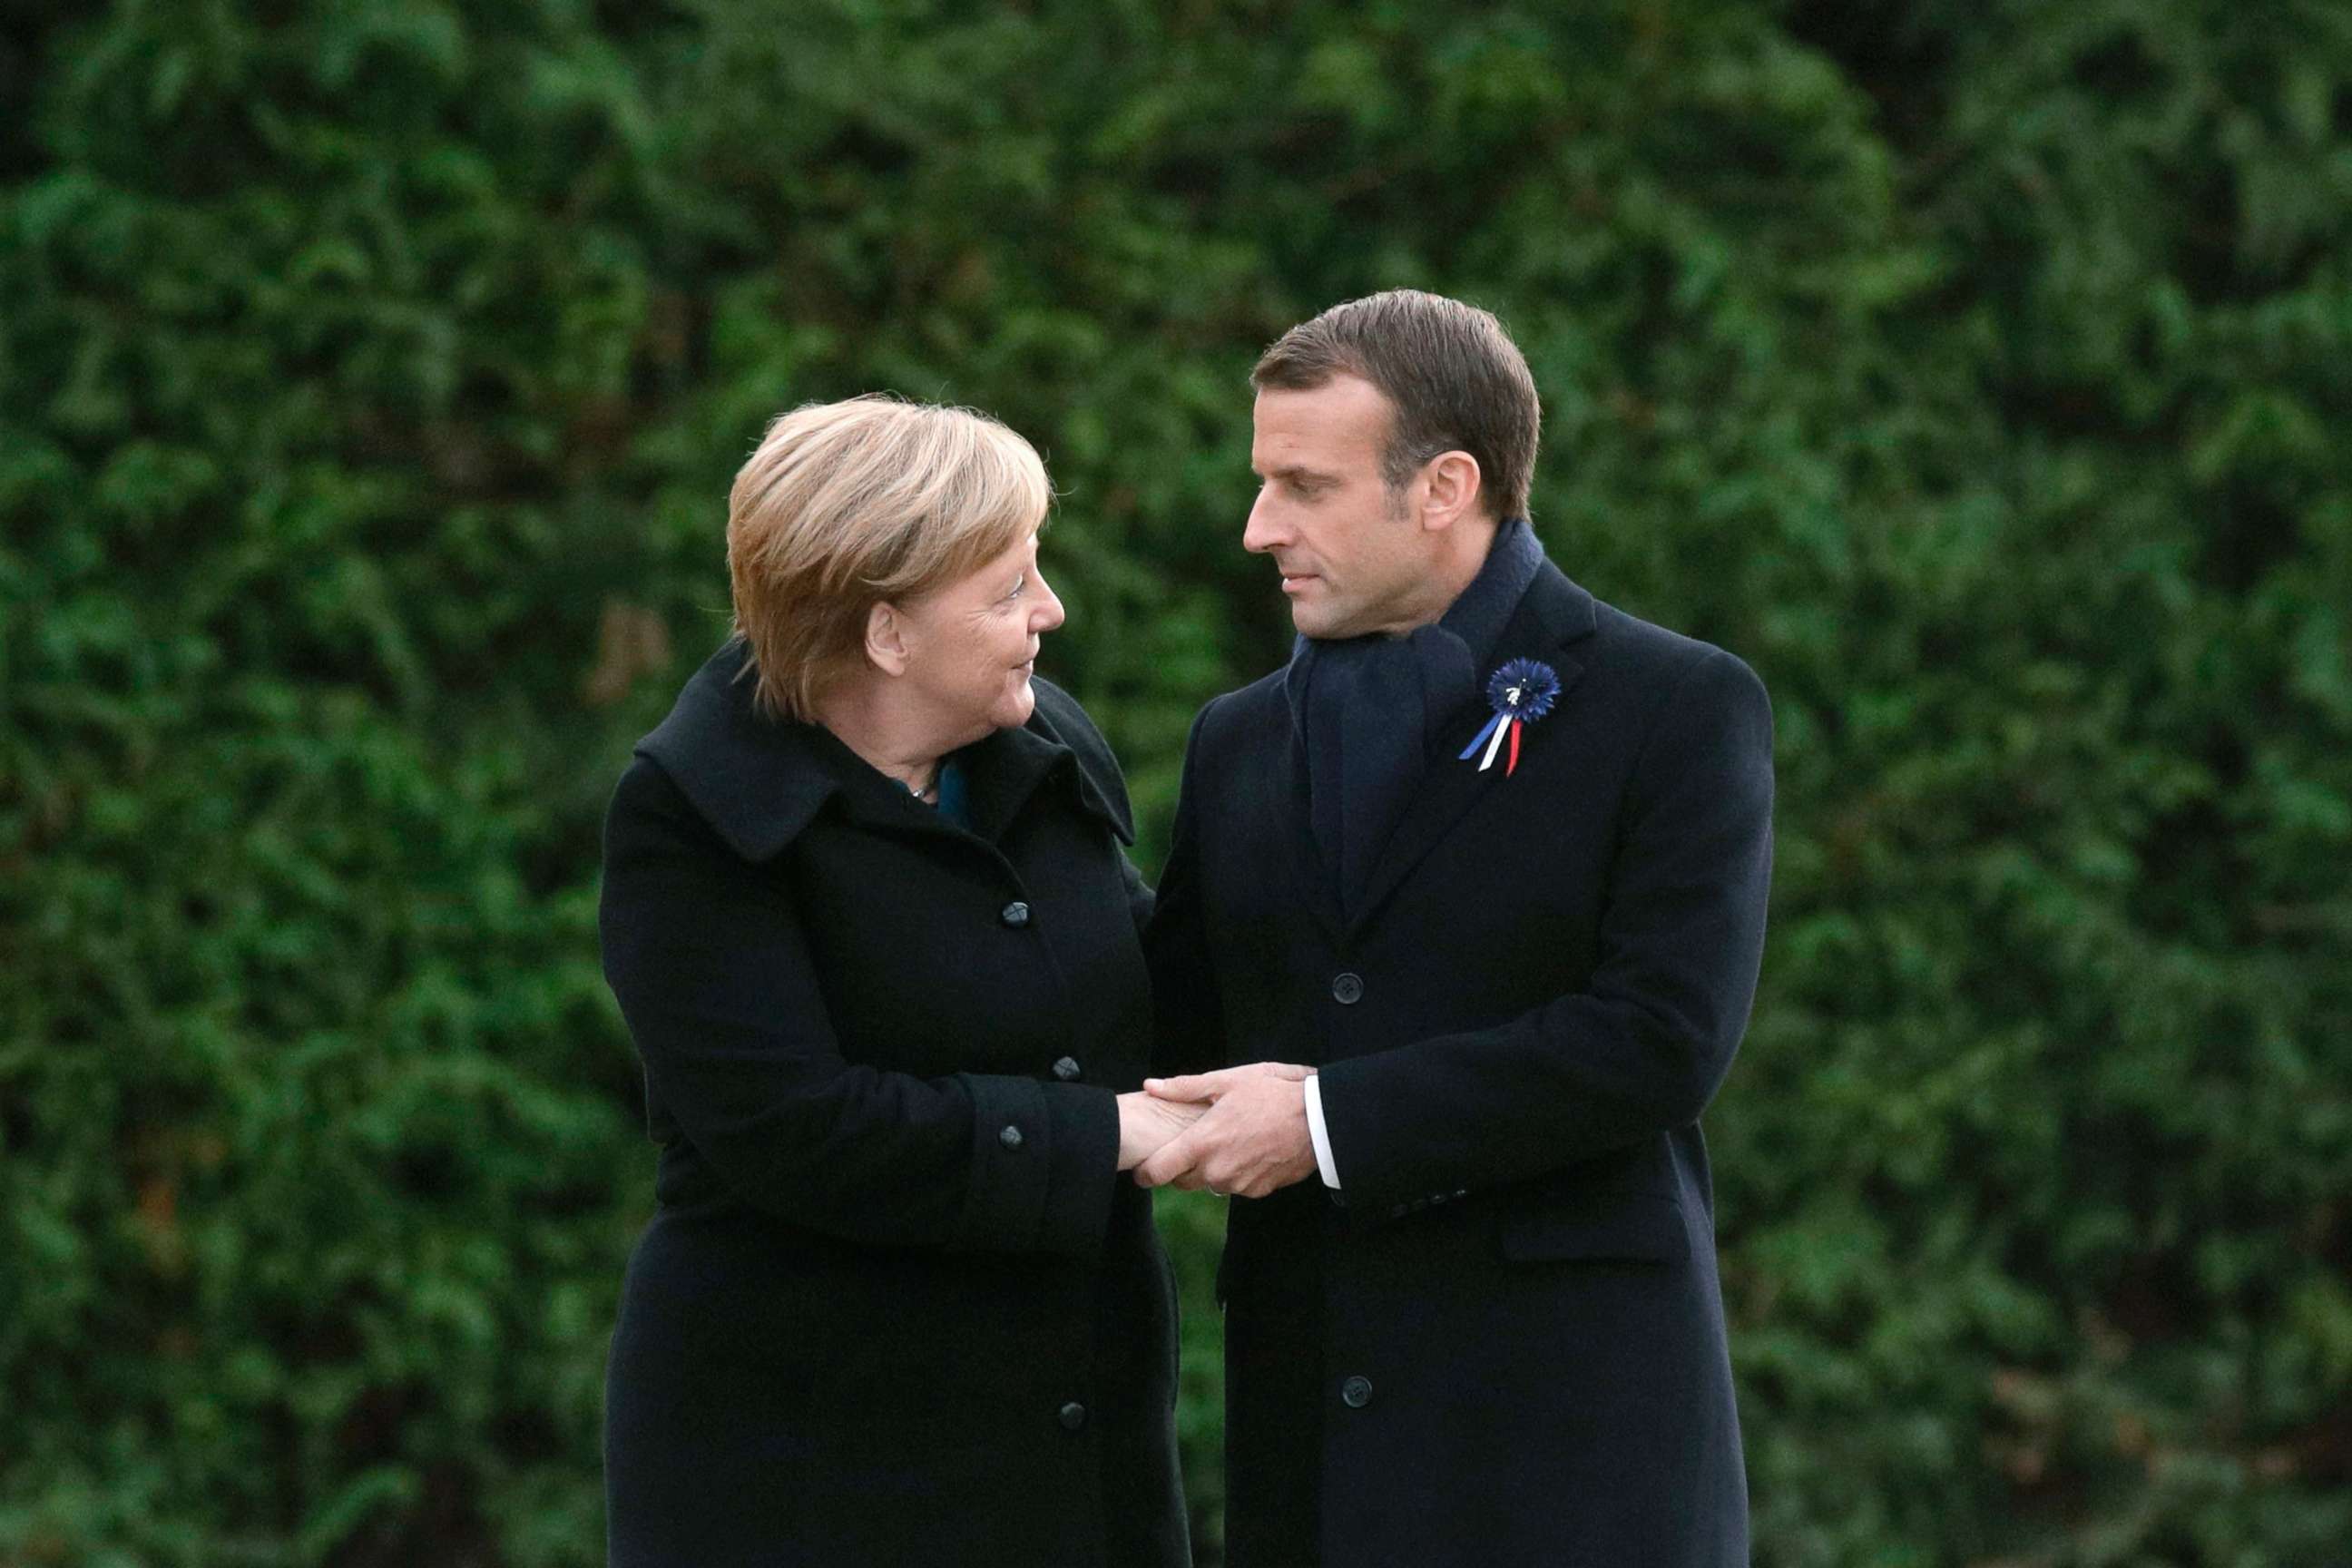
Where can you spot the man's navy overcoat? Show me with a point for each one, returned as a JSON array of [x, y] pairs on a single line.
[[896, 1306], [1503, 1344]]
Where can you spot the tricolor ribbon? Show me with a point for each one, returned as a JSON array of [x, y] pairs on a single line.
[[1520, 693]]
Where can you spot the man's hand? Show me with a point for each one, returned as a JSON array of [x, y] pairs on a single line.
[[1253, 1140], [1145, 1123]]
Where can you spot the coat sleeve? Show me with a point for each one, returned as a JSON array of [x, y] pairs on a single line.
[[1189, 1025], [1643, 1048], [706, 956]]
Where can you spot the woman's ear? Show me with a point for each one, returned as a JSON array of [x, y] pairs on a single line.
[[885, 639]]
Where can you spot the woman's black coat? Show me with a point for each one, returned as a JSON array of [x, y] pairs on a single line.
[[897, 1305]]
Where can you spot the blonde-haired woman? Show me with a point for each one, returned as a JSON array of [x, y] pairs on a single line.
[[869, 914]]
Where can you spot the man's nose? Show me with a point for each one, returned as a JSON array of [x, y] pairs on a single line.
[[1264, 531]]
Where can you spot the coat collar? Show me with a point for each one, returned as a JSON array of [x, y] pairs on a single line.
[[758, 782], [1555, 610]]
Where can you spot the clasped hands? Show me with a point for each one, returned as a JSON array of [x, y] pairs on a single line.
[[1239, 1133]]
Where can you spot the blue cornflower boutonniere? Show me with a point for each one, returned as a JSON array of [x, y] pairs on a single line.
[[1521, 693]]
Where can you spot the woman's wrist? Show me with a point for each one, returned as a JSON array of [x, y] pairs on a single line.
[[1145, 1123]]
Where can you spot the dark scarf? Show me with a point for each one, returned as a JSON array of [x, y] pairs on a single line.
[[1366, 709]]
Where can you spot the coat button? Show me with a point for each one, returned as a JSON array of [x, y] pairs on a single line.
[[1014, 914], [1074, 1415], [1356, 1392], [1066, 1069], [1348, 989], [1009, 1137]]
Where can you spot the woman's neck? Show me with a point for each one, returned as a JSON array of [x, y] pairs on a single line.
[[892, 742]]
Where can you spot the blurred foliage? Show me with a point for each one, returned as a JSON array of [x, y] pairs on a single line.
[[370, 378]]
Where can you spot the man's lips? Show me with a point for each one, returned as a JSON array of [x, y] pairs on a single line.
[[1292, 581]]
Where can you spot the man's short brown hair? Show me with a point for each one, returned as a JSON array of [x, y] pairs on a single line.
[[1453, 377], [847, 505]]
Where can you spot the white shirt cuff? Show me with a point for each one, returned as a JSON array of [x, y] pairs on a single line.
[[1322, 1140]]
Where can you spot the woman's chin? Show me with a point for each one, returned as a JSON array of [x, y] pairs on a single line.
[[1017, 705]]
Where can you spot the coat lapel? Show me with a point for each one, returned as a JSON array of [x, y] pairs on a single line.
[[1006, 769], [1552, 618]]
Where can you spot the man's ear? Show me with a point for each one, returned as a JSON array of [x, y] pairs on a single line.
[[885, 639], [1453, 484]]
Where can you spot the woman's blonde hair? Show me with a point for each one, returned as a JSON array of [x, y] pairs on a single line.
[[846, 505]]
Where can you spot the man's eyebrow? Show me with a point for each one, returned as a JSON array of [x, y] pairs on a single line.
[[1294, 473]]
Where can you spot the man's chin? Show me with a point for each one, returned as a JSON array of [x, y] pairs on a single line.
[[1314, 621]]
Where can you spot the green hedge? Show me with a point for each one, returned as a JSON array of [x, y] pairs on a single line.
[[370, 377]]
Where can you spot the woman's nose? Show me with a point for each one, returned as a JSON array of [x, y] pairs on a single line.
[[1049, 609]]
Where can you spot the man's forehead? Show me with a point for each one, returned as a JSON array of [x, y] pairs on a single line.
[[1329, 421], [1342, 396]]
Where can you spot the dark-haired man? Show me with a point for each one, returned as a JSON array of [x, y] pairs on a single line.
[[1474, 891]]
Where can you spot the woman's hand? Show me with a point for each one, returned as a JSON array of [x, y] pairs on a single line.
[[1145, 1123]]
